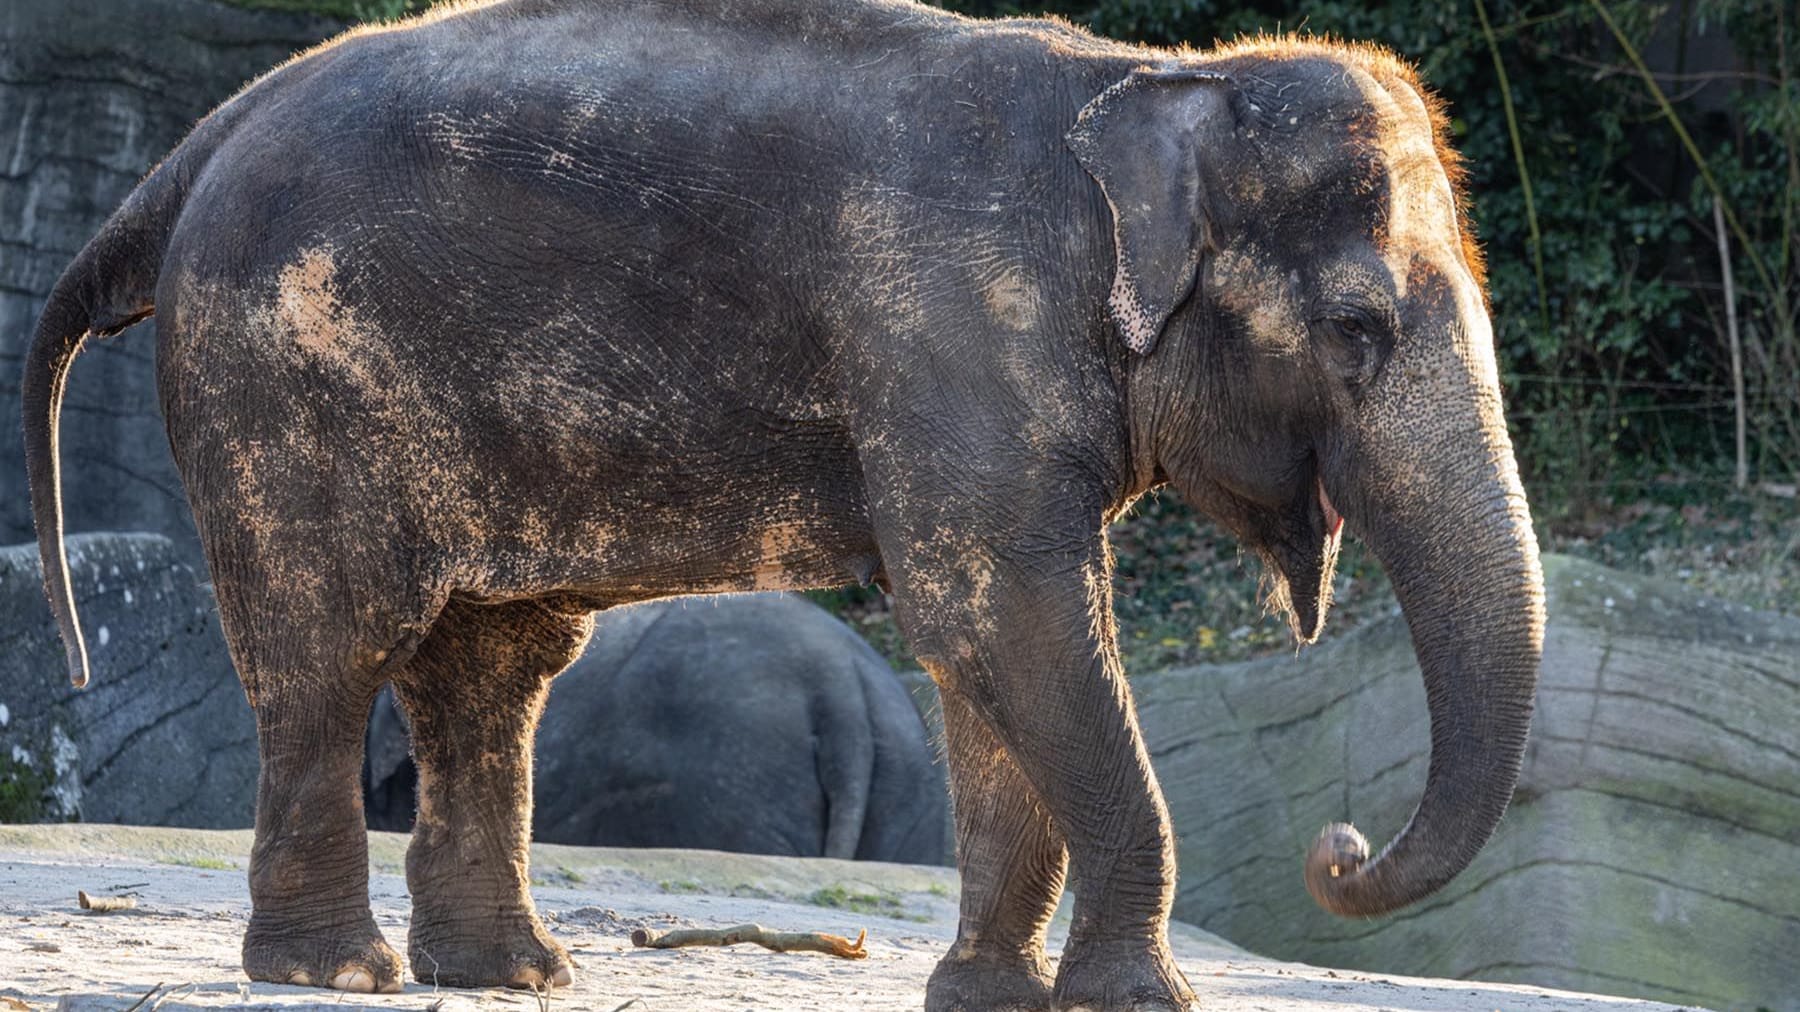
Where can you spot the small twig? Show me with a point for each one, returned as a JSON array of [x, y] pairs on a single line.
[[627, 1004], [178, 991], [104, 904], [147, 996], [1606, 69], [778, 941]]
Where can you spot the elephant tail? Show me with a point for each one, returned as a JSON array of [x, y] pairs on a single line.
[[110, 286], [846, 760]]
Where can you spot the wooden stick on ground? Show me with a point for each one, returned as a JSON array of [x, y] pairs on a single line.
[[104, 904], [779, 941]]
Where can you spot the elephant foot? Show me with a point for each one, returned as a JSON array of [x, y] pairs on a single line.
[[965, 981], [1138, 976], [513, 951], [354, 959]]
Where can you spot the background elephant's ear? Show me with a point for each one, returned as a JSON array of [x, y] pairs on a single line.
[[1140, 139]]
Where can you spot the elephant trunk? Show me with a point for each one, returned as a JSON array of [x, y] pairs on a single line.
[[1457, 542]]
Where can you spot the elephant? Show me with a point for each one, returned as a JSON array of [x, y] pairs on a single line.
[[755, 723], [474, 325]]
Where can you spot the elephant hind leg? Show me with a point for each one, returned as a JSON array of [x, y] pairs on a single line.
[[311, 661], [473, 692]]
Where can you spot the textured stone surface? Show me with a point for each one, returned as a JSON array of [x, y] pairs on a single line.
[[92, 94], [162, 736], [1653, 848]]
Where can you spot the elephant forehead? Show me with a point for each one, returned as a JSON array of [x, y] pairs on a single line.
[[1421, 218]]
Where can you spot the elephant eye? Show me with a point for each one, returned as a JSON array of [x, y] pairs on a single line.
[[1354, 345]]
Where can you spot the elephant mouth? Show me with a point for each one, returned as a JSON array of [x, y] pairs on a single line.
[[1302, 560], [1333, 520]]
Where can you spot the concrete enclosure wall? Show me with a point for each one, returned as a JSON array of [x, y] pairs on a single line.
[[1653, 848]]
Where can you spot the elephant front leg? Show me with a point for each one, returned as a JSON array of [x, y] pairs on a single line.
[[473, 694], [1011, 862], [1026, 642]]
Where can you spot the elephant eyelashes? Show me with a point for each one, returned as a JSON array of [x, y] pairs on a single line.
[[1355, 345]]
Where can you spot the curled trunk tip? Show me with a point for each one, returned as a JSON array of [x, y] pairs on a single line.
[[1336, 858]]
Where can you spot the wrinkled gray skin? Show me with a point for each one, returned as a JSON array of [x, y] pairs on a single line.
[[749, 723], [472, 327]]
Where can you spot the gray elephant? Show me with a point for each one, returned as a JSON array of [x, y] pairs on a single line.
[[754, 723], [474, 325]]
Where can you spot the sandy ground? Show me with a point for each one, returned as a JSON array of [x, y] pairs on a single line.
[[179, 947]]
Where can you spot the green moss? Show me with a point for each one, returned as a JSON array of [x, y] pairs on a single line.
[[22, 791]]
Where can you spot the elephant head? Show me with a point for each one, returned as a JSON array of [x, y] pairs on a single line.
[[1310, 347]]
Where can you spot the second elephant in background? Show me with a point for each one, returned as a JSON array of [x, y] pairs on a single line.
[[753, 723]]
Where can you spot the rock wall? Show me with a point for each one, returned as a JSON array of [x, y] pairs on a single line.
[[162, 735], [92, 94], [1653, 848]]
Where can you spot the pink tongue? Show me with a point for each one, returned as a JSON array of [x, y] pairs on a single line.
[[1333, 521]]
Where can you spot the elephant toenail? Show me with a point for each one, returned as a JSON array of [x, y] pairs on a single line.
[[530, 977], [563, 977], [300, 978], [354, 979]]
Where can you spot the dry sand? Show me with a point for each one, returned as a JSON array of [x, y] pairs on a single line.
[[179, 946]]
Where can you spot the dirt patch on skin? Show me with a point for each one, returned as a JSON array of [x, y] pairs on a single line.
[[182, 940], [779, 544], [307, 306], [1254, 288], [1011, 300]]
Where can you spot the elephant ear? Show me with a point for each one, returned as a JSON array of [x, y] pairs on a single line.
[[1140, 139]]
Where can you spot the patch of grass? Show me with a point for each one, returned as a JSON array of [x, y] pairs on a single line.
[[207, 863], [875, 904], [940, 890], [681, 886], [561, 875]]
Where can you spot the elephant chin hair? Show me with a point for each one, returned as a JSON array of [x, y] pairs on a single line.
[[1277, 594]]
